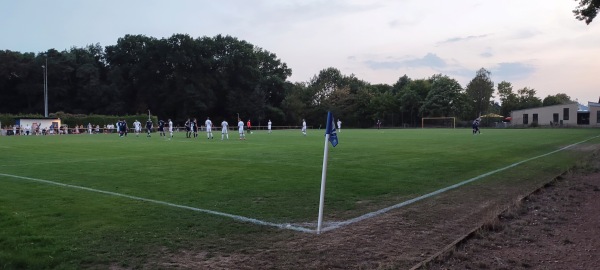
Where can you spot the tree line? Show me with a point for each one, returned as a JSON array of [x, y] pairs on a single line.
[[220, 77]]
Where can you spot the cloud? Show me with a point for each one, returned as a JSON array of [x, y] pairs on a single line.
[[460, 39], [512, 71], [525, 34], [487, 53], [430, 60]]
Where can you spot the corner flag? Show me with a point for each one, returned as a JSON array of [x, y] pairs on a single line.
[[330, 136], [330, 129]]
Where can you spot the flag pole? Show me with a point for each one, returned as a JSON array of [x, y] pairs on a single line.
[[323, 180]]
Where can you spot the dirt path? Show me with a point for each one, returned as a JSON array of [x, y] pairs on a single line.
[[556, 228]]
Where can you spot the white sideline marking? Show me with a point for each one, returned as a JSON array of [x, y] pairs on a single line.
[[387, 209], [289, 226], [235, 217]]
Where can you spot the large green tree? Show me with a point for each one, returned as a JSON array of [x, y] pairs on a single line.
[[527, 98], [480, 91], [509, 101], [444, 97], [560, 98]]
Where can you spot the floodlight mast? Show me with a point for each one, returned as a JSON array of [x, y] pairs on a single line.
[[45, 67]]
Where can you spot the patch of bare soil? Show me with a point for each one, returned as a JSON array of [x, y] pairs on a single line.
[[558, 227]]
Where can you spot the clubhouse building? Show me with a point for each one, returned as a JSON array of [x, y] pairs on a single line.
[[562, 115]]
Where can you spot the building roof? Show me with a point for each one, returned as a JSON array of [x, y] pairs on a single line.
[[557, 105]]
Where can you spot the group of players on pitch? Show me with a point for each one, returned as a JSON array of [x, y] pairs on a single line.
[[191, 128]]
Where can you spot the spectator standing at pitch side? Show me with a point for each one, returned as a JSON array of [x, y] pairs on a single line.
[[378, 124], [208, 124], [241, 129], [224, 129]]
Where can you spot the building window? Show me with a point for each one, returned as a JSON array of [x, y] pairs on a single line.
[[597, 117], [535, 118], [525, 119], [566, 114]]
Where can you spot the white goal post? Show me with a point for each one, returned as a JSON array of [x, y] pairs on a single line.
[[443, 122]]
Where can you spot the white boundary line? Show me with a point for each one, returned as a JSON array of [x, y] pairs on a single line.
[[235, 217], [387, 209], [289, 226]]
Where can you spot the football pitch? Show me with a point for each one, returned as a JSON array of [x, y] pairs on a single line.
[[75, 201]]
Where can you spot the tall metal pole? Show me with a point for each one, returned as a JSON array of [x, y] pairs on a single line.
[[46, 89]]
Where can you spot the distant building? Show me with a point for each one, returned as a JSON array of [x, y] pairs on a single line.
[[43, 123], [570, 114]]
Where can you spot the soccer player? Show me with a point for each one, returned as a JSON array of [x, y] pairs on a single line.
[[188, 128], [249, 126], [137, 127], [161, 128], [339, 125], [195, 127], [269, 125], [476, 126], [224, 129], [208, 125], [171, 128], [148, 127], [378, 124], [241, 129], [304, 127], [122, 126]]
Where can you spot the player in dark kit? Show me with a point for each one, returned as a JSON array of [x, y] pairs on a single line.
[[476, 126], [195, 127], [161, 128], [122, 128], [148, 127], [188, 128]]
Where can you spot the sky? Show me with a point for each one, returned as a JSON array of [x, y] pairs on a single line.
[[534, 43]]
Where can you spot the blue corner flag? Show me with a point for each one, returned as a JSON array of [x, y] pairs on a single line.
[[330, 129]]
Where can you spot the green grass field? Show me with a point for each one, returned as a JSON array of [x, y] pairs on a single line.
[[269, 177]]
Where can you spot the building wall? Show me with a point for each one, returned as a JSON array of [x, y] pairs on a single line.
[[44, 122], [594, 111], [545, 115]]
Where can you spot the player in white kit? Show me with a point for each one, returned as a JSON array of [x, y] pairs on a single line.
[[208, 125], [269, 125], [171, 128], [137, 126], [224, 130], [241, 129], [304, 127]]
